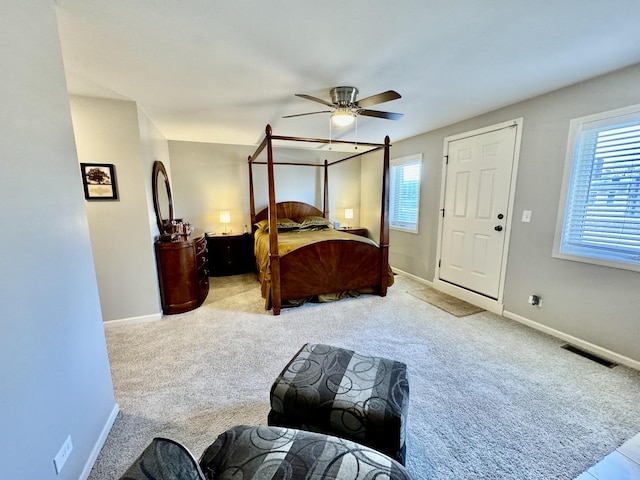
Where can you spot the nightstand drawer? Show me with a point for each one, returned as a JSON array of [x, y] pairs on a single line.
[[229, 254]]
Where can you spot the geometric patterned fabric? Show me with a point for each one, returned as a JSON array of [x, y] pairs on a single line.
[[265, 453], [339, 392], [164, 459], [273, 453]]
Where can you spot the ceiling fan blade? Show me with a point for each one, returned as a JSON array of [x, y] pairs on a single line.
[[310, 113], [379, 98], [378, 114], [315, 99]]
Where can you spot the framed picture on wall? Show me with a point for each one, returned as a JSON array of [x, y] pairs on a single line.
[[99, 180]]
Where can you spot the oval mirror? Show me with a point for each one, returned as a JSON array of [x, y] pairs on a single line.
[[162, 200]]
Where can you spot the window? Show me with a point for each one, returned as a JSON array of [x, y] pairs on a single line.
[[600, 222], [405, 193]]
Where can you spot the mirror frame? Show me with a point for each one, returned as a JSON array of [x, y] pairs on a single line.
[[164, 225]]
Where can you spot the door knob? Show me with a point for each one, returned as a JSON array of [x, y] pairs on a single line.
[[498, 228]]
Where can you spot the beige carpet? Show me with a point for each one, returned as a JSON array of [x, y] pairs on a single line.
[[445, 302], [490, 398]]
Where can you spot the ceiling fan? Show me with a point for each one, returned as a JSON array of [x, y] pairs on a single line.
[[346, 107]]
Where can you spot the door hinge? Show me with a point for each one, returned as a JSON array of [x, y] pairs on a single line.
[[442, 210], [439, 263], [446, 159]]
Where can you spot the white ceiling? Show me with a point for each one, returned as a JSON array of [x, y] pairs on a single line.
[[221, 70]]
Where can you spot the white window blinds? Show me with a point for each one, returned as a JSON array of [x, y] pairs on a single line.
[[405, 193], [602, 215]]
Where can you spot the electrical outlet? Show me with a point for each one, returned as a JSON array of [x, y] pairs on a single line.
[[63, 454], [535, 300]]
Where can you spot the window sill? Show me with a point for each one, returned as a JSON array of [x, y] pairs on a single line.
[[597, 261], [405, 230]]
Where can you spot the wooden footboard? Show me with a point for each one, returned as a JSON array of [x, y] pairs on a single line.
[[328, 267]]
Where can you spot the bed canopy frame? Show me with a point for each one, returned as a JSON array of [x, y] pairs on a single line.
[[276, 210]]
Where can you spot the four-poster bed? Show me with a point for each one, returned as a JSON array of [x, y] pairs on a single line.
[[334, 262]]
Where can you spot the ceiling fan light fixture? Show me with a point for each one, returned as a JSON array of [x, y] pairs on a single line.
[[342, 117], [347, 109]]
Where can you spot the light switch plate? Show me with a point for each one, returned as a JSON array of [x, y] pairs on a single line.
[[526, 216]]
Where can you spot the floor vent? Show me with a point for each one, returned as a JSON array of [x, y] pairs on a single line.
[[590, 356]]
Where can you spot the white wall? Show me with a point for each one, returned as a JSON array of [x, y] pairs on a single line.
[[415, 253], [371, 192], [597, 305], [207, 178], [344, 191], [154, 146], [54, 371], [122, 231]]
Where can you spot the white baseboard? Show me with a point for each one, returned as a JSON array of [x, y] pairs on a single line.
[[99, 443], [412, 277], [589, 347], [131, 320], [496, 307]]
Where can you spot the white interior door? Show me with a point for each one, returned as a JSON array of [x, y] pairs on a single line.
[[476, 204]]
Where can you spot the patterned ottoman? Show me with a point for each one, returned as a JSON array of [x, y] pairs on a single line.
[[339, 392]]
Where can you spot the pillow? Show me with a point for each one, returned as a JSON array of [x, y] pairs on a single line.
[[287, 224], [262, 225], [315, 223], [284, 225]]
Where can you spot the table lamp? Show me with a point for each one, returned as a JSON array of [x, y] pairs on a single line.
[[348, 215], [225, 218]]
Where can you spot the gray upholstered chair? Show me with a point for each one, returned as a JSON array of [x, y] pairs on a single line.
[[164, 459], [258, 453]]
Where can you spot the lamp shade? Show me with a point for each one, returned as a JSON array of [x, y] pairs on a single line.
[[342, 117], [348, 213], [225, 216]]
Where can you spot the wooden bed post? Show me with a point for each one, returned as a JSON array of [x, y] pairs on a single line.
[[325, 209], [252, 201], [384, 222], [345, 265], [274, 255]]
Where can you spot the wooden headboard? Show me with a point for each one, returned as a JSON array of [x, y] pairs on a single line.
[[293, 210]]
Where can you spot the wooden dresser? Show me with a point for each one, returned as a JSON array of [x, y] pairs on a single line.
[[184, 283]]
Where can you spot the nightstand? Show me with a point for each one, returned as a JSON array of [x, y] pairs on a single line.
[[355, 230], [230, 254]]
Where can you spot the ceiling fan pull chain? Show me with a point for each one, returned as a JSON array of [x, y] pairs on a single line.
[[330, 131], [356, 147]]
